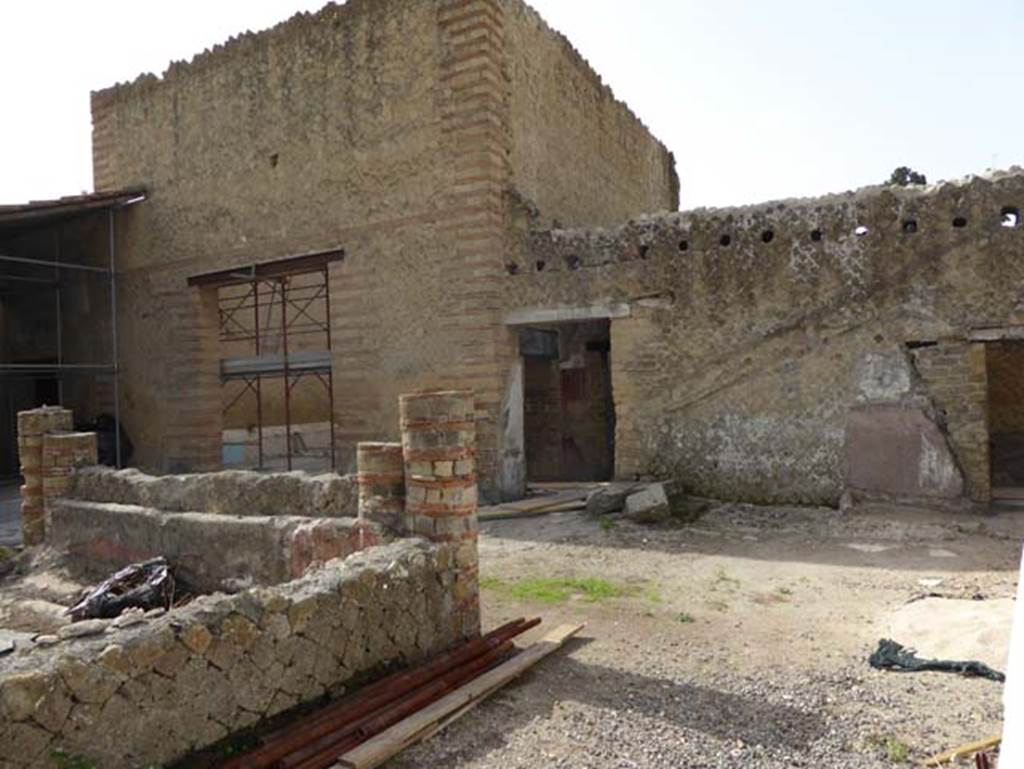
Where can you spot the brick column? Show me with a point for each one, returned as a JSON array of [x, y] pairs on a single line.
[[477, 145], [381, 480], [192, 440], [62, 453], [439, 448], [32, 426]]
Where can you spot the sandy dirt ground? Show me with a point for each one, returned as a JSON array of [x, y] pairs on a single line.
[[742, 640]]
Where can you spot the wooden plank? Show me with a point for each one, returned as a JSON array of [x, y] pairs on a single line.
[[964, 751], [536, 503], [568, 485], [1007, 492], [501, 514], [427, 721]]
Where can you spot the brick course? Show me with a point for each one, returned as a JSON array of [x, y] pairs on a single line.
[[395, 133]]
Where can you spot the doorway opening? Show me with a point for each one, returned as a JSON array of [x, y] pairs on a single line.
[[1005, 369], [568, 409]]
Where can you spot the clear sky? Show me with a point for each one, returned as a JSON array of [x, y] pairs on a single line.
[[758, 99]]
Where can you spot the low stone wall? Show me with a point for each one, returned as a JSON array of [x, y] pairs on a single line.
[[232, 492], [209, 551], [153, 692]]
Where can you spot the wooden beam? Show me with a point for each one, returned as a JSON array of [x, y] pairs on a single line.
[[531, 315], [434, 717], [964, 751]]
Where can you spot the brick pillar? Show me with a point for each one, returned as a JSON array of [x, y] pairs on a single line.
[[477, 142], [192, 439], [381, 480], [32, 426], [439, 448], [62, 453]]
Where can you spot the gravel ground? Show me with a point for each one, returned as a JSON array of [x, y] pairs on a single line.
[[742, 642]]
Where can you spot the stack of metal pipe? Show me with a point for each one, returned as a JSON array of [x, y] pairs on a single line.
[[319, 739]]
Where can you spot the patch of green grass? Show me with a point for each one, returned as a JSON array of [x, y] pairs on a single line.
[[651, 594], [725, 580], [491, 583], [6, 554], [715, 605], [64, 760], [561, 589], [686, 618], [897, 751], [606, 523]]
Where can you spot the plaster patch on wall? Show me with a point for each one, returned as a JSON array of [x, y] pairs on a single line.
[[937, 470], [883, 376], [757, 458]]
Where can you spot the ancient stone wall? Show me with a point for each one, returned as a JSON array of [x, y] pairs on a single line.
[[149, 693], [230, 492], [736, 334], [382, 127], [579, 155], [323, 131], [222, 530], [210, 551]]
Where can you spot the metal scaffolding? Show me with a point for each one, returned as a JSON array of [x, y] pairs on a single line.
[[264, 309], [50, 275]]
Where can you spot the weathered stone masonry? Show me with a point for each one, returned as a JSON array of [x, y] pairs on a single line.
[[49, 452], [152, 692], [300, 597], [405, 132], [739, 335]]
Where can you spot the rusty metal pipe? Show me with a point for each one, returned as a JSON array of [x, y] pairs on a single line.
[[323, 753], [404, 682], [326, 745], [371, 698]]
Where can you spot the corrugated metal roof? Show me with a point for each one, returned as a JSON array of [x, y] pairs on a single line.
[[42, 211]]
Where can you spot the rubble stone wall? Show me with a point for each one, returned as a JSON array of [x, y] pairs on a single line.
[[209, 551], [222, 531], [150, 693], [737, 333], [230, 492]]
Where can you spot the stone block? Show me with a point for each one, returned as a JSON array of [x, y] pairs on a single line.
[[649, 505]]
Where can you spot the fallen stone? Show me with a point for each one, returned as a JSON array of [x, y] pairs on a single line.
[[84, 628], [608, 499], [649, 505], [662, 501], [46, 640]]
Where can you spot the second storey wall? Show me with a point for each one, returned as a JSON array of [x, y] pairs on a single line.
[[579, 155], [325, 131]]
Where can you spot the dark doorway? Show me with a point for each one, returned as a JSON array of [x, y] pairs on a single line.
[[568, 410], [1005, 364], [19, 394]]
